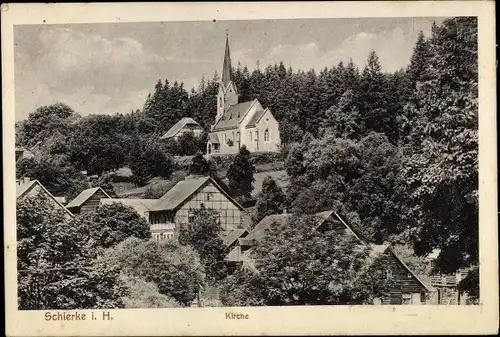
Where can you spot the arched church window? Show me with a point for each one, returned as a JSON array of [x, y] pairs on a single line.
[[250, 134], [220, 101], [266, 135], [233, 136]]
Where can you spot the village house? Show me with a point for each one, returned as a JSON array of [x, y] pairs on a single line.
[[176, 207], [240, 123], [405, 288], [26, 187], [185, 125], [87, 201]]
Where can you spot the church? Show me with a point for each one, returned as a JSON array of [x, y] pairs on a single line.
[[240, 123]]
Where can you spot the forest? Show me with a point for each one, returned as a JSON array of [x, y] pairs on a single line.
[[395, 153]]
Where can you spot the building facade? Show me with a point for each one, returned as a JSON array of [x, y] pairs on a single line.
[[240, 123], [177, 207]]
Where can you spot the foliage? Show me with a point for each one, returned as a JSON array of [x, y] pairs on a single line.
[[299, 265], [199, 165], [148, 160], [240, 174], [204, 235], [270, 201], [55, 173], [99, 146], [174, 269], [142, 294], [362, 177], [441, 169], [57, 267], [44, 121], [111, 224]]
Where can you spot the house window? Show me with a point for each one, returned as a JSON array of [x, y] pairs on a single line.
[[225, 138], [388, 274], [233, 136], [190, 217], [266, 135], [208, 196]]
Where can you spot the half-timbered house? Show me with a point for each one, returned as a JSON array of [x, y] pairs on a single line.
[[176, 207]]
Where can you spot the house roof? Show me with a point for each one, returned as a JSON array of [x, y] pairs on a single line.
[[212, 137], [141, 206], [24, 188], [259, 230], [178, 127], [84, 196], [233, 116], [255, 119], [233, 236], [184, 189]]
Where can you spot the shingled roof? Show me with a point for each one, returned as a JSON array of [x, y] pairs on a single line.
[[184, 189], [233, 116], [174, 130], [84, 196]]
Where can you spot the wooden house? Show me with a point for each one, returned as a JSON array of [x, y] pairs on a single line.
[[405, 287], [87, 201], [27, 187], [185, 125], [176, 207]]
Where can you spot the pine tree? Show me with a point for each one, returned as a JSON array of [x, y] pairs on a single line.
[[270, 201], [419, 59], [240, 174]]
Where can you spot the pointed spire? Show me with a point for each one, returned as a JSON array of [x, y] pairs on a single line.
[[226, 68]]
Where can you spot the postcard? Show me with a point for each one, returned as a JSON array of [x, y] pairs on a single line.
[[301, 168]]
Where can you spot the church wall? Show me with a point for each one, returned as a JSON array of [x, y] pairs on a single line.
[[244, 132], [268, 122]]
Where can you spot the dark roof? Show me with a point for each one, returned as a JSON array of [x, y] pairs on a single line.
[[226, 67], [255, 119], [233, 116], [233, 236], [178, 194], [178, 127], [84, 196], [259, 230]]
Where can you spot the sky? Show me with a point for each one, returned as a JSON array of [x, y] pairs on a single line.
[[107, 68]]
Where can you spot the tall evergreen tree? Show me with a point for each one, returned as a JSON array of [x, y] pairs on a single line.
[[240, 174]]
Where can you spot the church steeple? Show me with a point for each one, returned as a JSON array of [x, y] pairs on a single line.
[[226, 68]]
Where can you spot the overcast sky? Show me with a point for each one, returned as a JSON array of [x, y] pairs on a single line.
[[111, 67]]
